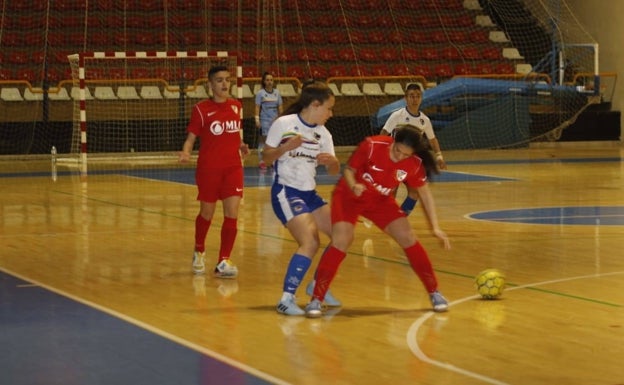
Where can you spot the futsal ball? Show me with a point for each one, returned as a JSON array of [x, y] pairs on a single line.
[[490, 283]]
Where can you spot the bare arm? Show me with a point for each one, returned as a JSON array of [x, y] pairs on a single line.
[[187, 148], [428, 203]]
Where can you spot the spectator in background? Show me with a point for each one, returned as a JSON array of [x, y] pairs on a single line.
[[268, 108]]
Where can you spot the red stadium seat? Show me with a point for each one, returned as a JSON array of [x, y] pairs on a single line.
[[295, 37], [26, 74], [450, 53], [315, 37], [359, 70], [295, 72], [484, 69], [419, 36], [337, 37], [6, 74], [117, 73], [430, 53], [38, 57], [439, 36], [504, 68], [303, 54], [471, 53], [380, 70], [337, 70], [423, 70], [141, 73], [368, 54], [18, 57], [396, 37], [327, 54], [347, 54], [464, 69], [443, 70], [410, 54], [376, 37], [479, 36], [458, 36], [491, 53], [318, 72], [388, 54], [11, 39], [401, 69], [250, 72]]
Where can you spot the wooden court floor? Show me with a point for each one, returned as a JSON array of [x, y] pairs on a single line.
[[119, 243]]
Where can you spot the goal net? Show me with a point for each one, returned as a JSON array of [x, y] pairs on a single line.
[[138, 103]]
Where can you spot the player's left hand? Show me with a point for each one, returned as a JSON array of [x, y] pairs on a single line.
[[326, 159], [443, 237], [244, 149]]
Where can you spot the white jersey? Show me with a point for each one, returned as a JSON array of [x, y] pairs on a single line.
[[297, 168], [403, 116]]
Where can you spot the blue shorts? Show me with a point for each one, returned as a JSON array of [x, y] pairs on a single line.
[[289, 202]]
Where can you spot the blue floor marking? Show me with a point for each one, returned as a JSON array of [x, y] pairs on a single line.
[[565, 215], [49, 339]]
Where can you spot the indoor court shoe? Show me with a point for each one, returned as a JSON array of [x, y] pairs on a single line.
[[198, 263], [313, 309], [288, 306], [329, 300], [226, 269], [438, 301]]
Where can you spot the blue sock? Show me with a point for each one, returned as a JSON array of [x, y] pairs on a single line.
[[408, 205], [297, 268]]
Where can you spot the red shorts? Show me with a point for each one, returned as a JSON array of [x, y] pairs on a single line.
[[215, 184], [379, 209]]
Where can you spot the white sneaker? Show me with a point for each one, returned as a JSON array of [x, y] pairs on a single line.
[[289, 306], [314, 309], [226, 269], [198, 263]]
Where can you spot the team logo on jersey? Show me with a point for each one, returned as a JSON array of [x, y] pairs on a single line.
[[401, 175], [217, 127], [317, 136]]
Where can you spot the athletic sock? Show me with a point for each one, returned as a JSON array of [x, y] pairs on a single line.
[[228, 236], [201, 229], [419, 260], [326, 271], [297, 269]]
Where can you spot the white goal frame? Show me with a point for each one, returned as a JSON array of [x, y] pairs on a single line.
[[82, 59]]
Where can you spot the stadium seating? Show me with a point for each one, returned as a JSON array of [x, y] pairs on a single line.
[[11, 94]]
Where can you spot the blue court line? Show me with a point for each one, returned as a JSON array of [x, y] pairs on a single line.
[[47, 338], [564, 215]]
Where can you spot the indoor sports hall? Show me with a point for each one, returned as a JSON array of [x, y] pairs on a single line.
[[97, 215]]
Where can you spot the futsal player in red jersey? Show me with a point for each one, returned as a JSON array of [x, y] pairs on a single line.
[[219, 172], [374, 171]]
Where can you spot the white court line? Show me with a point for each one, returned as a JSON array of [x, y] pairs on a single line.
[[198, 348], [412, 332]]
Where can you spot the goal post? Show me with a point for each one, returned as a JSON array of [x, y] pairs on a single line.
[[137, 104]]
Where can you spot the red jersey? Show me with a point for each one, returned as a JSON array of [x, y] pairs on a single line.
[[374, 168], [218, 125]]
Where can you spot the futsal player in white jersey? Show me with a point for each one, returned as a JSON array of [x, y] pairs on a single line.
[[296, 144], [412, 115]]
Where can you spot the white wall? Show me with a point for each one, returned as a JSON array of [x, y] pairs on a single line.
[[604, 20]]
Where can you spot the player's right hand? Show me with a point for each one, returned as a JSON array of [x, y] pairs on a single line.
[[184, 157]]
